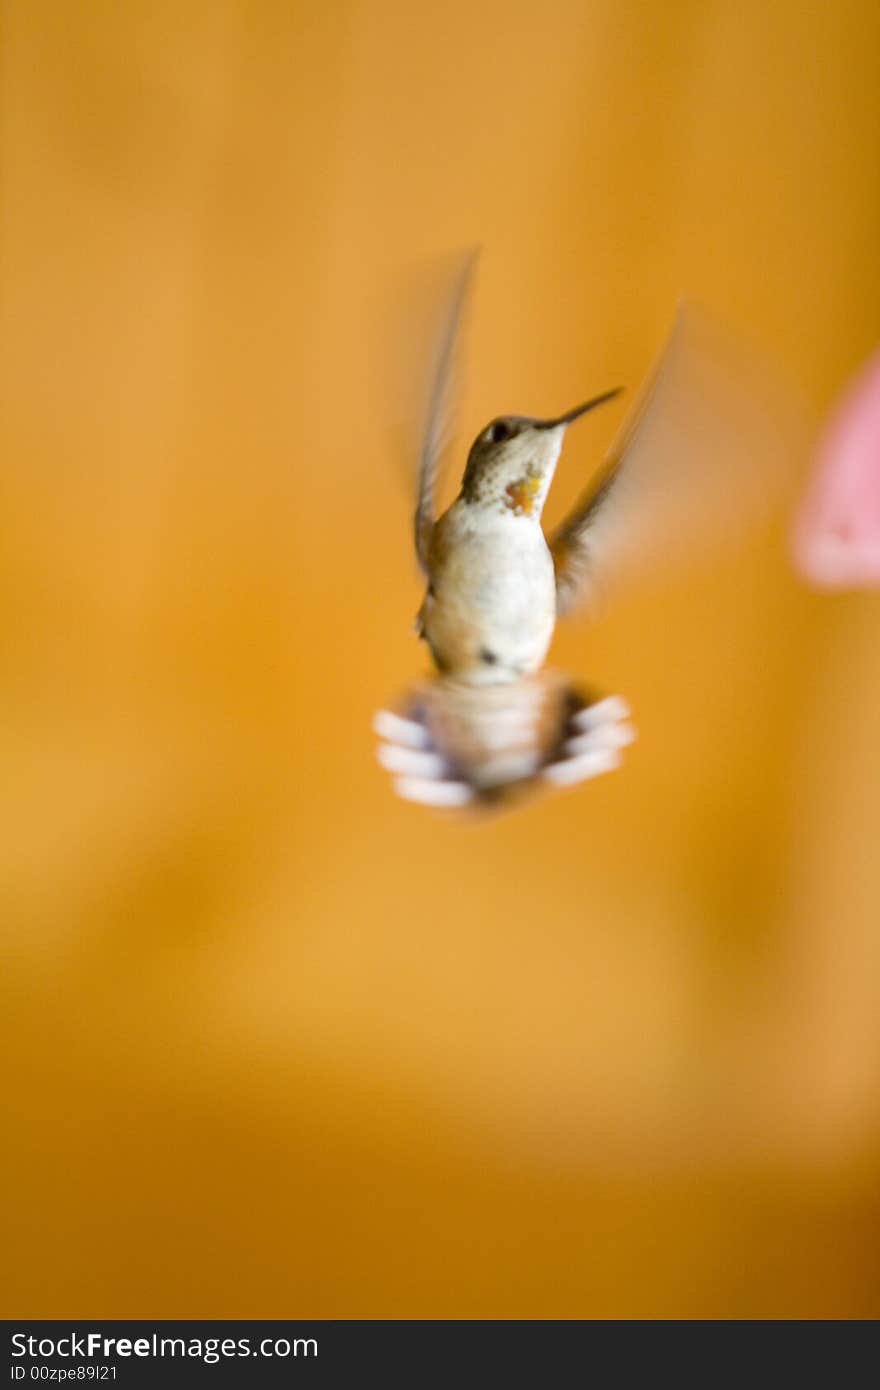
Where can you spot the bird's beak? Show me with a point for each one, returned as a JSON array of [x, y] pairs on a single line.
[[571, 415]]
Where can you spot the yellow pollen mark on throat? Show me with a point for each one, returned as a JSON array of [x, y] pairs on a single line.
[[521, 495]]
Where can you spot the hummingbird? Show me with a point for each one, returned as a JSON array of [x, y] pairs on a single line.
[[495, 584], [710, 437]]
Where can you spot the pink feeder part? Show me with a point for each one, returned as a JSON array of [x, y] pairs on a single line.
[[836, 533]]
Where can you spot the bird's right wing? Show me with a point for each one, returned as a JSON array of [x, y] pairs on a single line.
[[707, 450], [445, 390]]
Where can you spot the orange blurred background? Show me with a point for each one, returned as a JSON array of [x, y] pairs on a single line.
[[277, 1043]]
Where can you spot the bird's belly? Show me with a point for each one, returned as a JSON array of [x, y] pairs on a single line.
[[492, 611]]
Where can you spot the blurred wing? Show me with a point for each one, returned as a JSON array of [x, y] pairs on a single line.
[[707, 451], [444, 395]]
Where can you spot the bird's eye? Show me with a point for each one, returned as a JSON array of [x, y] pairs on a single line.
[[499, 432]]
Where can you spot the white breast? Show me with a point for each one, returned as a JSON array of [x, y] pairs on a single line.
[[490, 612]]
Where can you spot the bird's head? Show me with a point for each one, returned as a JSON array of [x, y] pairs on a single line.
[[512, 461]]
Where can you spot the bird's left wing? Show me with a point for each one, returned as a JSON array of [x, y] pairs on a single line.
[[706, 451]]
